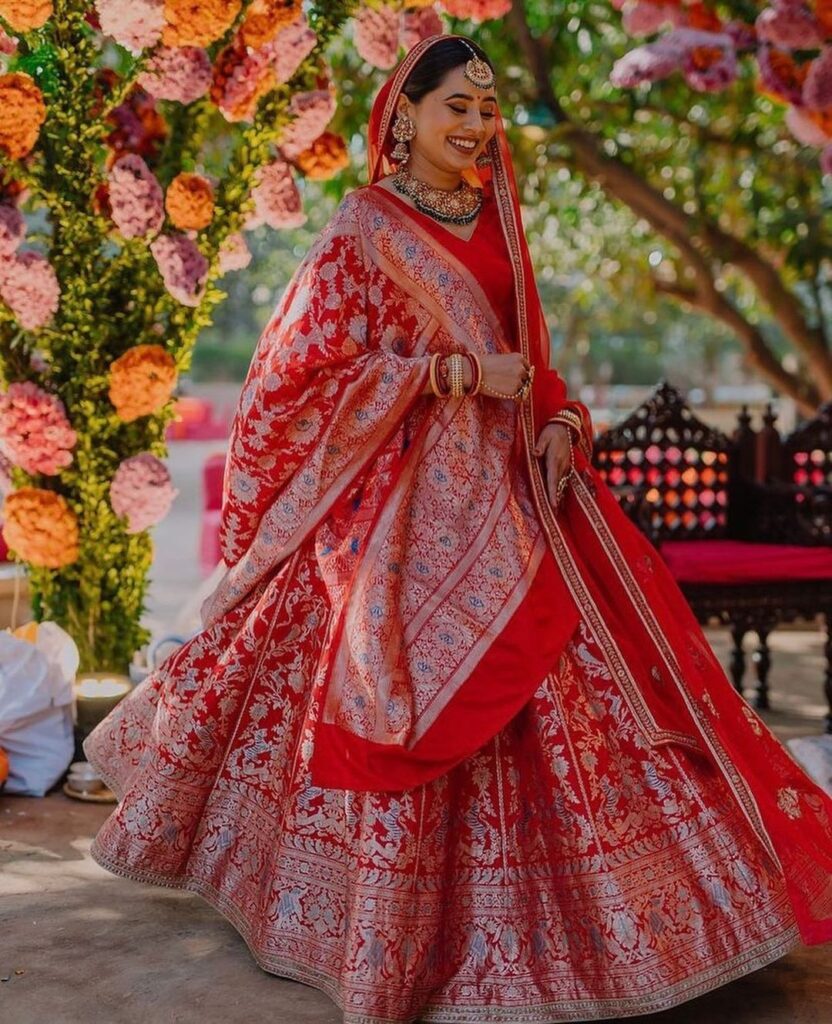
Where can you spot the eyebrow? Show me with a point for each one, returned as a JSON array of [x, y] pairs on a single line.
[[465, 96]]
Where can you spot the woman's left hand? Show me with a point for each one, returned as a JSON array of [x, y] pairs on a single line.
[[553, 446]]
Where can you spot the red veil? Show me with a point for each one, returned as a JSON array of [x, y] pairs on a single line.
[[654, 647]]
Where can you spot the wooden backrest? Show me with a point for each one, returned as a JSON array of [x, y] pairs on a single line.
[[671, 466]]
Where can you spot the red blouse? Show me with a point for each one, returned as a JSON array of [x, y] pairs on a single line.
[[484, 254]]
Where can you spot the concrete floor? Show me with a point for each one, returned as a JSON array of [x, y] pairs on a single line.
[[80, 946]]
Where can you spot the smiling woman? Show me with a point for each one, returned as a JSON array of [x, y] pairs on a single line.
[[451, 745]]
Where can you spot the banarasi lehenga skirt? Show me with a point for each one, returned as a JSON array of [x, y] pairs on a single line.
[[565, 872]]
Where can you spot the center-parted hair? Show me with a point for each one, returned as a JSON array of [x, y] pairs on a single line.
[[435, 64]]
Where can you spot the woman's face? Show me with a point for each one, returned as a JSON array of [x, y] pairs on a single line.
[[448, 120]]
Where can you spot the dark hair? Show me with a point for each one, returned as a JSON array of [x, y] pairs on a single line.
[[434, 65]]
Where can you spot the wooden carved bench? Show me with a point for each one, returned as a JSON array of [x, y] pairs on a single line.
[[743, 522]]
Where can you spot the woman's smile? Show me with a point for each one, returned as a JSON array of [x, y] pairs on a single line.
[[462, 145]]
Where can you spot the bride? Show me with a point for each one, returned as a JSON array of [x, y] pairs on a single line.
[[451, 746]]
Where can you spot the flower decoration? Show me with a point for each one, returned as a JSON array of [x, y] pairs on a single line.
[[138, 127], [325, 157], [420, 24], [643, 18], [781, 77], [197, 22], [817, 89], [707, 59], [35, 430], [183, 267], [477, 10], [189, 201], [6, 485], [241, 77], [826, 160], [141, 381], [142, 492], [40, 527], [376, 35], [312, 113], [789, 25], [22, 112], [805, 128], [289, 49], [8, 44], [710, 68], [180, 73], [26, 15], [12, 229], [265, 18], [135, 197], [234, 254], [136, 25], [276, 198], [29, 287]]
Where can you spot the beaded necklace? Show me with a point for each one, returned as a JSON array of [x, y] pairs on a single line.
[[456, 206]]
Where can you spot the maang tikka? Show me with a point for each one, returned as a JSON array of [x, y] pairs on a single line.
[[404, 130]]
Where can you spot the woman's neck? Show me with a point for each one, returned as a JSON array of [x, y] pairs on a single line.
[[425, 171]]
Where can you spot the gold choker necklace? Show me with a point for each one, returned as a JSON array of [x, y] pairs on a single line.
[[457, 206]]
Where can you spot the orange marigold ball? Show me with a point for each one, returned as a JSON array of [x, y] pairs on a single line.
[[189, 201], [40, 527], [141, 381], [24, 15], [265, 18], [324, 158], [198, 22], [22, 112], [4, 767]]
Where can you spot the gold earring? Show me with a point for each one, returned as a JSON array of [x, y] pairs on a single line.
[[484, 159], [403, 131]]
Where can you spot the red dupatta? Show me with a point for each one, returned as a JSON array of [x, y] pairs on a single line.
[[333, 441]]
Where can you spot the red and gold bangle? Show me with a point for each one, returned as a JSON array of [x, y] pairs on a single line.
[[476, 373], [435, 369]]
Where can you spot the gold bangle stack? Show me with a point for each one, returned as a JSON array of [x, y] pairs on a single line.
[[569, 418], [563, 483], [450, 369], [456, 375]]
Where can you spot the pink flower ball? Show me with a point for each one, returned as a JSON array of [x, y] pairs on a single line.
[[183, 267], [376, 35], [276, 198], [34, 429], [643, 18], [8, 44], [6, 485], [12, 229], [136, 197], [29, 287], [817, 89], [180, 73], [718, 75], [420, 24], [804, 129], [234, 254], [477, 10], [644, 64], [141, 491], [791, 26], [312, 112], [290, 48], [135, 25]]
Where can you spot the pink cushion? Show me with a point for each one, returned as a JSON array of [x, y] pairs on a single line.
[[734, 561]]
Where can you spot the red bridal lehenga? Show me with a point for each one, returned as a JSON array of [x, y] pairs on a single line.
[[438, 751]]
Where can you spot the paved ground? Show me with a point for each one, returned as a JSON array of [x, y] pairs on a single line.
[[79, 946]]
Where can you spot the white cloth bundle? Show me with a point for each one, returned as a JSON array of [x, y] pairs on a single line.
[[36, 728]]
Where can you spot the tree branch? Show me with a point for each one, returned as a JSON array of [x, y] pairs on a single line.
[[696, 238]]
